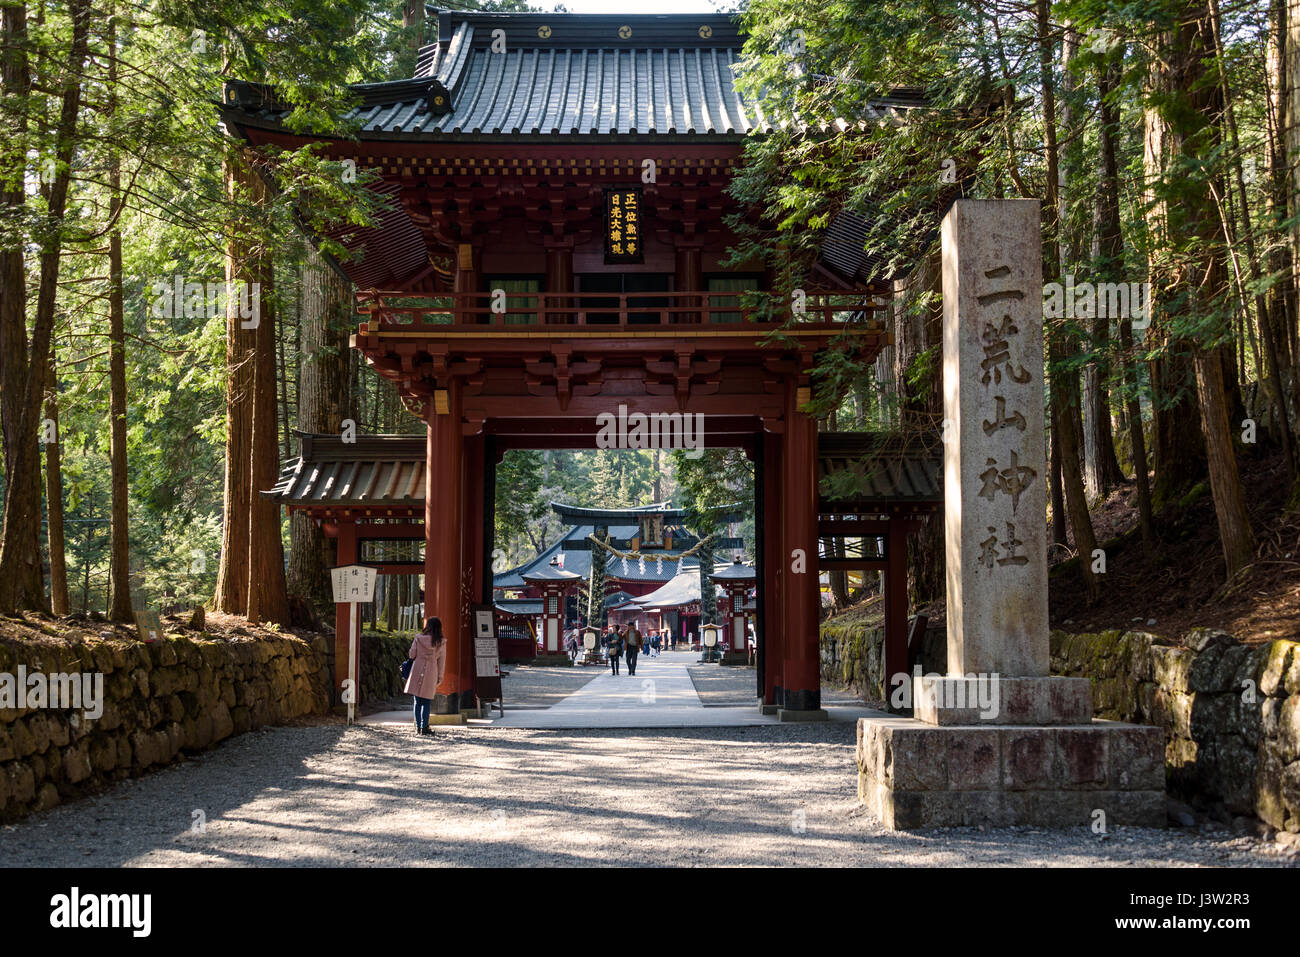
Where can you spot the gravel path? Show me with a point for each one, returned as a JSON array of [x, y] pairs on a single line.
[[332, 795]]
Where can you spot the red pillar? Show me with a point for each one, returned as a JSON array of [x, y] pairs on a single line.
[[472, 560], [895, 603], [801, 597], [347, 555], [775, 568], [443, 521]]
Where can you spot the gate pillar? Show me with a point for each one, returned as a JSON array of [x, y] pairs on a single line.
[[443, 557], [800, 596]]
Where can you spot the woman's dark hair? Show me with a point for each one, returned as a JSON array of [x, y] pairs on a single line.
[[433, 628]]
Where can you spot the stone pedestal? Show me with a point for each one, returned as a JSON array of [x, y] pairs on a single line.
[[999, 741], [735, 658], [914, 775]]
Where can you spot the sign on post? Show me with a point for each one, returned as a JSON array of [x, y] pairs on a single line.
[[148, 625], [487, 660], [353, 584]]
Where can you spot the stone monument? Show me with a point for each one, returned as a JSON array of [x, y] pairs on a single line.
[[998, 740]]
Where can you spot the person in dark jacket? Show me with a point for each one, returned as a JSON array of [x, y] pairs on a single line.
[[615, 650], [632, 645], [430, 654]]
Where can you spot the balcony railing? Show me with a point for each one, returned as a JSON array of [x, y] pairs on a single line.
[[397, 310]]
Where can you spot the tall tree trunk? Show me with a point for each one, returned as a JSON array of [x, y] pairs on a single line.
[[1065, 389], [1101, 471], [1177, 452], [119, 549], [1110, 263], [232, 571], [268, 593], [20, 559], [918, 330], [1188, 222], [326, 396], [1235, 533], [1281, 297], [54, 496], [1289, 174], [413, 21]]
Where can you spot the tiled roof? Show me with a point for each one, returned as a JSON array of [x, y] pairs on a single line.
[[682, 590], [889, 470], [374, 471], [388, 471], [568, 75]]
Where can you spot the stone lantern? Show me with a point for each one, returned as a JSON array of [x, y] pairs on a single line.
[[736, 580], [554, 583]]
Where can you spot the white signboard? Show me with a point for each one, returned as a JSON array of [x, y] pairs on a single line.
[[487, 660], [354, 583]]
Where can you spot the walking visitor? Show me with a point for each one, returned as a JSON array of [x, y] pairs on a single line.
[[429, 654], [614, 649], [632, 643]]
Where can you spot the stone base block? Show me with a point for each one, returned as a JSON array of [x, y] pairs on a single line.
[[813, 714], [447, 719], [551, 661], [734, 658], [768, 708], [998, 700], [913, 775]]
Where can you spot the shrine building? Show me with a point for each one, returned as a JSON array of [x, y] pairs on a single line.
[[555, 254]]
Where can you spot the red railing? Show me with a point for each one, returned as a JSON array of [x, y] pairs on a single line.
[[398, 310]]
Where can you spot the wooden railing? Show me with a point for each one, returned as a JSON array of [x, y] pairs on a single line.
[[398, 310]]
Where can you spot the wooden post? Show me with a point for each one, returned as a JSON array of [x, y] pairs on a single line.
[[774, 573], [472, 561], [344, 614], [801, 596], [442, 547], [895, 604]]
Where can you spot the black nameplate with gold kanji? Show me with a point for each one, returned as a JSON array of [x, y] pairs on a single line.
[[623, 225]]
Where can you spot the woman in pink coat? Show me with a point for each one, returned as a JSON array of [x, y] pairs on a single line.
[[430, 654]]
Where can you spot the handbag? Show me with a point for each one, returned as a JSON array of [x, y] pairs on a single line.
[[406, 667]]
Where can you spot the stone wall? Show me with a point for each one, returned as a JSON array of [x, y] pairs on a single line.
[[852, 655], [1230, 712], [161, 699], [382, 655]]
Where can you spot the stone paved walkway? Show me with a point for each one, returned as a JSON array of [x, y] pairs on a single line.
[[660, 695]]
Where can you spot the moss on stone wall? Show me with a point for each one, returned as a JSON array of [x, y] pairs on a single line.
[[161, 699], [382, 655], [1231, 712]]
